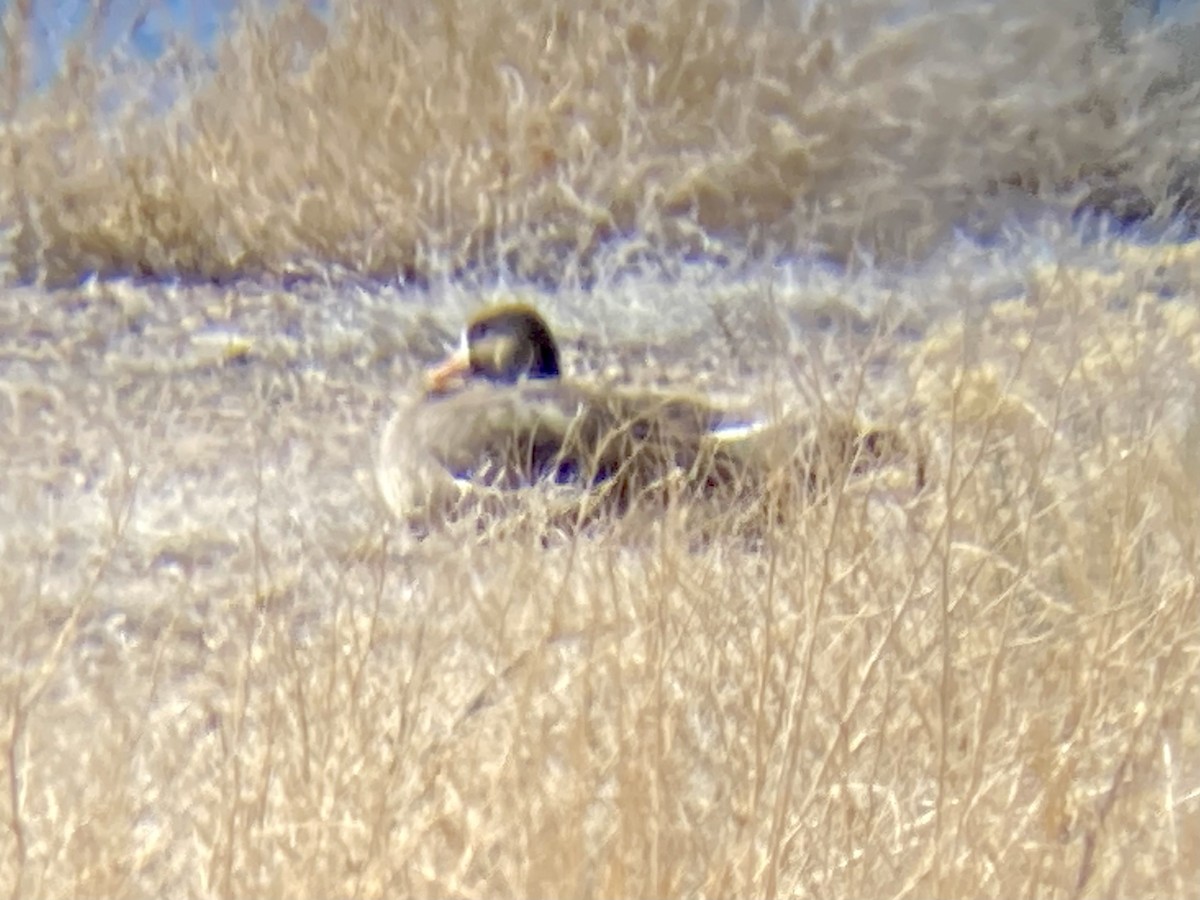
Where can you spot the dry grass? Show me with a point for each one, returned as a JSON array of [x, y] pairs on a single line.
[[419, 139], [228, 674], [225, 671]]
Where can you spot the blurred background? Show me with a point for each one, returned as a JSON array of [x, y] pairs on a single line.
[[408, 141]]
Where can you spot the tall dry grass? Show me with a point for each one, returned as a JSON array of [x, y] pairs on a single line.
[[226, 672], [416, 139]]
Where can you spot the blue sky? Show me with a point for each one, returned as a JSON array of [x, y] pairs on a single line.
[[56, 22]]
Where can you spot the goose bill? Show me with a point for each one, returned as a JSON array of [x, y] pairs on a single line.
[[450, 373]]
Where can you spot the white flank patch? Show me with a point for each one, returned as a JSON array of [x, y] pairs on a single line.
[[736, 431]]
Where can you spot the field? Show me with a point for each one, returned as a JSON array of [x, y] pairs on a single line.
[[226, 669]]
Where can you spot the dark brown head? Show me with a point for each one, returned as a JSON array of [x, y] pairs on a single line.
[[501, 345]]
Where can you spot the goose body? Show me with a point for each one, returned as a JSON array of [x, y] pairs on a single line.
[[497, 416]]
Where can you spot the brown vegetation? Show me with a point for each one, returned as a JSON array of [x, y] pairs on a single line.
[[225, 671], [419, 139]]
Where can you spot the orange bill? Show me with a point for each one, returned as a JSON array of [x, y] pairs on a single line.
[[442, 378]]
